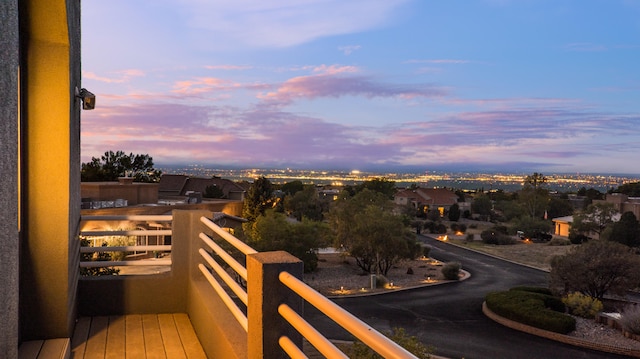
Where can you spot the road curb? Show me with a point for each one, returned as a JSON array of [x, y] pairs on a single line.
[[566, 339]]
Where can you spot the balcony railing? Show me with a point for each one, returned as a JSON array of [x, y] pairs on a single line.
[[139, 234], [246, 304], [365, 333]]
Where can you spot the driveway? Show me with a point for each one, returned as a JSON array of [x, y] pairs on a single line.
[[449, 316]]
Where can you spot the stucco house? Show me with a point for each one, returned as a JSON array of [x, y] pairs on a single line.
[[434, 198]]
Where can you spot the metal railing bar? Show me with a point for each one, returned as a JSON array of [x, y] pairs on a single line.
[[291, 349], [103, 249], [134, 217], [240, 245], [231, 305], [235, 287], [98, 264], [135, 232], [322, 344], [367, 334], [239, 268]]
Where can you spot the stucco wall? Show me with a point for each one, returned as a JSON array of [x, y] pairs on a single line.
[[50, 154], [9, 238]]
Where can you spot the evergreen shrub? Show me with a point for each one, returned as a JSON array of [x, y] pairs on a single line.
[[451, 271], [531, 309]]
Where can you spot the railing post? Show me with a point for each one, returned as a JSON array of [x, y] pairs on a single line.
[[265, 294]]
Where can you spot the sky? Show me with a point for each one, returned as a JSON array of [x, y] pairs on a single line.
[[421, 85]]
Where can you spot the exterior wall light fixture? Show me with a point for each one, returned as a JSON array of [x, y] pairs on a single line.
[[87, 97]]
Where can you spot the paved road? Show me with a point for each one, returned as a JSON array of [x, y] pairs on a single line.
[[449, 316]]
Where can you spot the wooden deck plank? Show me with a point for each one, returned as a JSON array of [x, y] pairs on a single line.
[[30, 349], [134, 344], [116, 338], [79, 339], [190, 342], [152, 337], [171, 337], [55, 349], [97, 340]]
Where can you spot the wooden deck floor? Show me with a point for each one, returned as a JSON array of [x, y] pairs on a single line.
[[136, 336]]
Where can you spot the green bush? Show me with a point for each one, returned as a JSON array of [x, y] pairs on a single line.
[[530, 308], [425, 251], [541, 290], [361, 351], [451, 271], [582, 305], [491, 236], [630, 319], [470, 237]]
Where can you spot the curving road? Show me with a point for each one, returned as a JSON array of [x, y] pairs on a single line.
[[449, 316]]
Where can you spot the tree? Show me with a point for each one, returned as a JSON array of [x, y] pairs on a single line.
[[272, 231], [258, 199], [118, 164], [534, 196], [306, 204], [596, 268], [630, 189], [559, 207], [481, 205], [380, 185], [366, 228], [454, 213], [292, 187], [626, 231], [594, 218]]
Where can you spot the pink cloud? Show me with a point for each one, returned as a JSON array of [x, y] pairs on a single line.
[[330, 83], [227, 67], [120, 76]]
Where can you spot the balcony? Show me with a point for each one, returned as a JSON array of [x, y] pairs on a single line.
[[215, 287]]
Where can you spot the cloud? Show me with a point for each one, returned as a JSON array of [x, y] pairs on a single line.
[[251, 135], [348, 50], [118, 76], [287, 22], [333, 83], [438, 61], [227, 67]]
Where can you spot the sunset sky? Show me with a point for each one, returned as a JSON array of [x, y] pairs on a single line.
[[489, 85]]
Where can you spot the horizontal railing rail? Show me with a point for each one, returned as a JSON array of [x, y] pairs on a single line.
[[148, 220], [365, 333]]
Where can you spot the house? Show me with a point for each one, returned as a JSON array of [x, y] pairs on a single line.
[[433, 198], [623, 203], [562, 225], [182, 185]]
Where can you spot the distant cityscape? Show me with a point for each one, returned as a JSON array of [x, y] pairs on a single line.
[[456, 180]]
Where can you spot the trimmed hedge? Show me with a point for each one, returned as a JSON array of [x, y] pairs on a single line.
[[531, 308], [541, 290]]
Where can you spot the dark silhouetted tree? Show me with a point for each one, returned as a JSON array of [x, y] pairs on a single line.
[[118, 164], [626, 230], [596, 268]]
